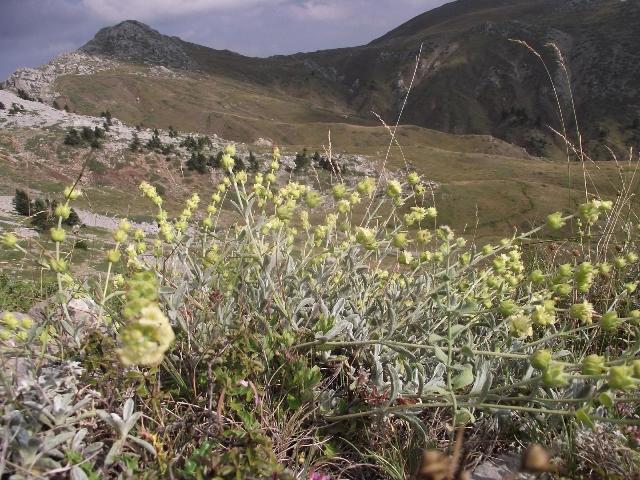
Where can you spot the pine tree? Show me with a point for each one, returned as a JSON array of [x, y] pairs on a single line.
[[135, 144], [154, 142], [254, 166], [22, 203], [302, 160], [72, 138]]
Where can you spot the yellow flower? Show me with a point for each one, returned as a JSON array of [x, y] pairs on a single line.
[[520, 326], [541, 359], [63, 211], [71, 193], [583, 312], [9, 240], [393, 188], [57, 234], [145, 340]]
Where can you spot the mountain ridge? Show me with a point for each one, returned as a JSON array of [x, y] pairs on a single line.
[[471, 79]]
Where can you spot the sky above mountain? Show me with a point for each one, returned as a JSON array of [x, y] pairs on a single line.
[[34, 31]]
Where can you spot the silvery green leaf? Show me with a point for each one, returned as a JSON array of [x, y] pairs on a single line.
[[78, 474], [441, 355], [464, 378], [131, 421], [78, 438], [143, 443], [483, 381], [114, 451], [456, 329], [53, 442], [338, 306], [395, 384], [336, 330], [127, 410], [437, 379]]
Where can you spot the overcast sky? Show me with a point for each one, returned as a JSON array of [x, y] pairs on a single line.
[[33, 31]]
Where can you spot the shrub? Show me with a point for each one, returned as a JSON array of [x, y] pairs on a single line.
[[302, 160], [22, 203], [24, 95], [302, 326], [16, 108], [135, 143], [154, 143]]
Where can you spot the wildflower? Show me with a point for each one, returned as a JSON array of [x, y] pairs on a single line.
[[312, 199], [555, 221], [487, 250], [120, 236], [124, 225], [432, 212], [631, 257], [520, 326], [227, 162], [590, 211], [9, 240], [5, 334], [592, 365], [423, 236], [57, 234], [536, 276], [631, 287], [113, 256], [285, 211], [541, 359], [10, 321], [72, 193], [150, 192], [366, 187], [339, 191], [207, 223], [620, 378], [426, 256], [138, 235], [563, 289], [394, 189], [241, 177], [508, 308], [62, 211], [271, 178], [400, 240], [354, 198], [609, 321], [584, 276], [343, 206], [544, 314], [144, 341], [583, 312], [413, 179], [620, 262], [405, 258], [604, 269], [465, 259], [554, 375], [366, 237], [58, 266]]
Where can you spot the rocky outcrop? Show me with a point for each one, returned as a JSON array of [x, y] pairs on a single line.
[[136, 42], [38, 83]]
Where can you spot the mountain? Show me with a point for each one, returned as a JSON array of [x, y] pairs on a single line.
[[470, 78]]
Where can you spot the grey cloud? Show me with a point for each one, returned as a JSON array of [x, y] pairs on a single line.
[[33, 31]]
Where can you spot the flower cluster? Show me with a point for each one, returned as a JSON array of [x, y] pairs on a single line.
[[147, 334]]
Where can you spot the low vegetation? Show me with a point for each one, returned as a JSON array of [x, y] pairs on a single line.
[[327, 338]]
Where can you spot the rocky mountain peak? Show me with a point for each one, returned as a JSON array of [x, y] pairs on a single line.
[[134, 41]]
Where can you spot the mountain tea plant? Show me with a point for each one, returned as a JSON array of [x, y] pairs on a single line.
[[320, 336]]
